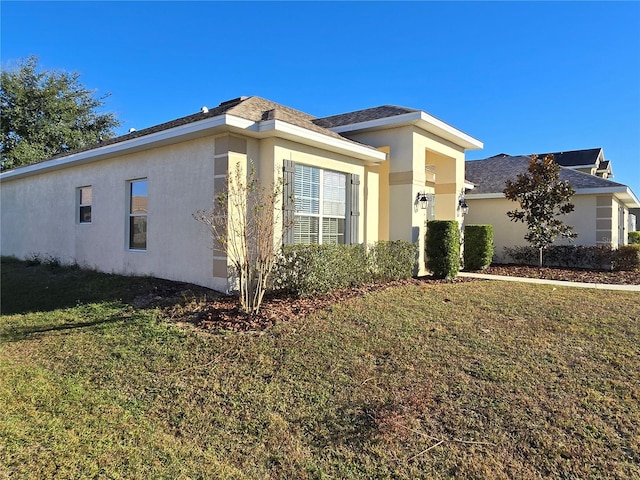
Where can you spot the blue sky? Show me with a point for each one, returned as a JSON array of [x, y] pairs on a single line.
[[521, 77]]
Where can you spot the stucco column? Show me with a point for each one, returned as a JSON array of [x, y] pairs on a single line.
[[229, 152]]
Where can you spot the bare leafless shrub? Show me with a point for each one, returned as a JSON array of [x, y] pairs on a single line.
[[244, 221]]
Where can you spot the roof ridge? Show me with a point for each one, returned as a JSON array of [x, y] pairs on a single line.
[[491, 175], [254, 112], [400, 107], [275, 105]]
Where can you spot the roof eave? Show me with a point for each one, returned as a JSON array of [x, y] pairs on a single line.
[[201, 128], [126, 146], [622, 192], [292, 132], [483, 196], [421, 119], [572, 167]]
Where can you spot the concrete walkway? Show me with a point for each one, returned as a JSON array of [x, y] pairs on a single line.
[[560, 283]]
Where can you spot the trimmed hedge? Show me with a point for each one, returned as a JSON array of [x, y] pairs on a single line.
[[393, 260], [443, 248], [598, 257], [634, 238], [478, 246], [627, 257], [307, 270]]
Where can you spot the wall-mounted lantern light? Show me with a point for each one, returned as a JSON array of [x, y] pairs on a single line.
[[462, 205], [422, 199]]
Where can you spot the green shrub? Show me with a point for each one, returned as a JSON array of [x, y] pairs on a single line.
[[443, 248], [627, 257], [307, 270], [478, 246], [393, 260], [521, 254], [597, 257], [634, 238], [319, 269]]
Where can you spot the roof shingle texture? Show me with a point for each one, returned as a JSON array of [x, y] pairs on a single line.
[[260, 109], [251, 108], [489, 175], [359, 116], [575, 158]]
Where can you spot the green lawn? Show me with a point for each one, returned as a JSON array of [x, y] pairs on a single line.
[[461, 380]]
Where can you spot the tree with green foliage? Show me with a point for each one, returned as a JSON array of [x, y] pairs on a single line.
[[543, 198], [46, 113]]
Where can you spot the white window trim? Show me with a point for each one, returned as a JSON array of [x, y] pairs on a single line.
[[131, 215], [80, 205]]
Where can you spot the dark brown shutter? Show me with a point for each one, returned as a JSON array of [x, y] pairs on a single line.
[[288, 201]]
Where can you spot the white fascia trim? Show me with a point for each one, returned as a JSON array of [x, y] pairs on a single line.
[[125, 146], [588, 165], [482, 196], [241, 125], [451, 133], [421, 119], [604, 190], [623, 192], [290, 131]]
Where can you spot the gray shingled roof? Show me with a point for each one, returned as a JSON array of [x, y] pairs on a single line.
[[489, 175], [575, 158], [251, 108], [359, 116], [259, 109], [604, 165]]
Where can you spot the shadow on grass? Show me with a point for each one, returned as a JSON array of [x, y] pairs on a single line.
[[16, 334], [351, 425], [27, 287]]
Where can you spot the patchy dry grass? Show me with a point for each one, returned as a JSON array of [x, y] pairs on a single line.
[[467, 380]]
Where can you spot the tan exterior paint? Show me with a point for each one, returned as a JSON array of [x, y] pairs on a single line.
[[595, 220], [181, 179], [411, 149], [39, 214], [187, 165], [314, 157], [384, 200]]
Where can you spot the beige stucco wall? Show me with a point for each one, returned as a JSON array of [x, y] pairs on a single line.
[[39, 211], [39, 214], [594, 219], [410, 150]]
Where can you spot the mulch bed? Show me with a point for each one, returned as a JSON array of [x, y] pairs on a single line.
[[220, 313], [566, 274], [223, 313]]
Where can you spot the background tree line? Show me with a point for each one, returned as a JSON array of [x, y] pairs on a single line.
[[47, 112]]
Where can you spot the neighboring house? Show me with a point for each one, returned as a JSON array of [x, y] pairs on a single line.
[[634, 215], [589, 161], [601, 215], [125, 206]]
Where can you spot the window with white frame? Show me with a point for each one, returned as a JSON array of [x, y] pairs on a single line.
[[85, 200], [320, 205], [138, 214]]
